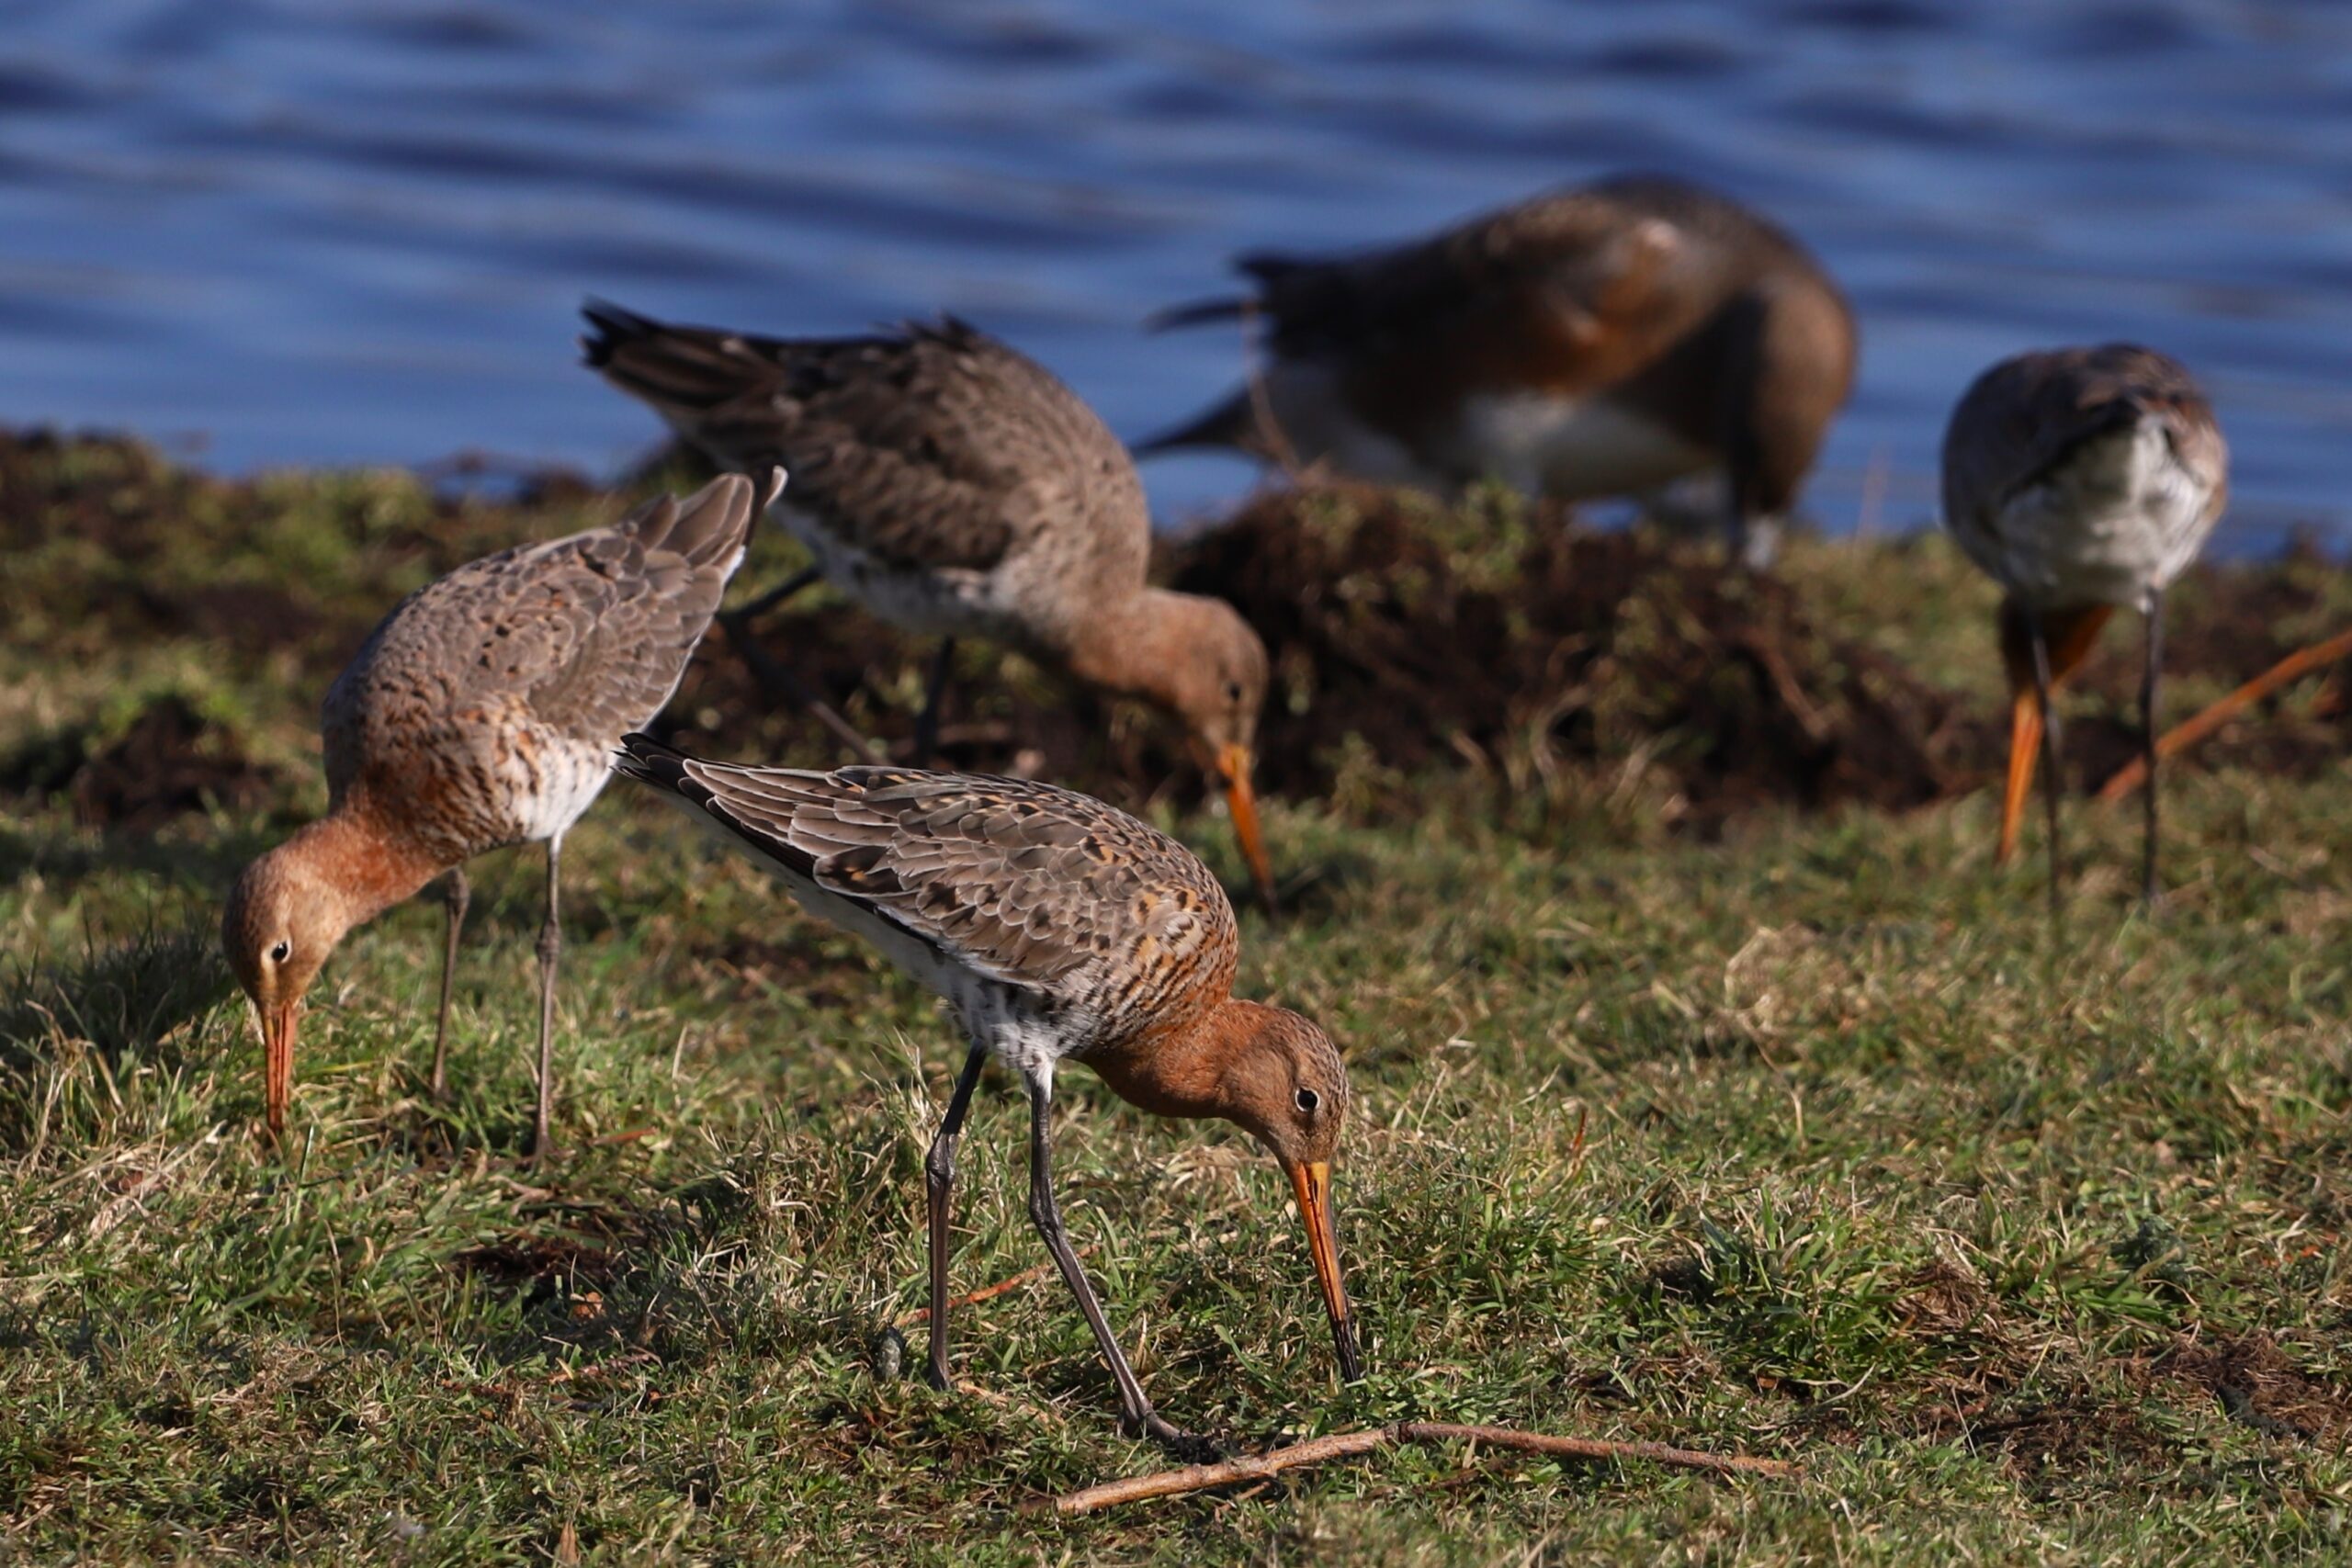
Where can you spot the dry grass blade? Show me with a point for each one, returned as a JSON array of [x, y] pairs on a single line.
[[1349, 1445]]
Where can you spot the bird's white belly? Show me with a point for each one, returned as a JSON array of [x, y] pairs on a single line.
[[994, 1014], [1317, 427], [553, 781], [1541, 443], [2116, 524], [944, 602]]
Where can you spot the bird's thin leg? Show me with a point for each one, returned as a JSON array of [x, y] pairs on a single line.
[[743, 616], [551, 946], [780, 685], [2149, 677], [933, 700], [2041, 684], [457, 894], [938, 1183], [1136, 1418]]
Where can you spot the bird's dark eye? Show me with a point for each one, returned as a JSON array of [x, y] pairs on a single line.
[[1308, 1099], [277, 954], [1233, 691]]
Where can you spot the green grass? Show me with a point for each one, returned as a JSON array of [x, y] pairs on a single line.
[[1808, 1142]]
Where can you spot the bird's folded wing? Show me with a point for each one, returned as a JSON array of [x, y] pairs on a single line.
[[1020, 881], [1564, 267], [904, 446]]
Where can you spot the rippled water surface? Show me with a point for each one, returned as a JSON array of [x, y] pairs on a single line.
[[292, 232]]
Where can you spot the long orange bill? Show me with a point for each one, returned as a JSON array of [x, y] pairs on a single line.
[[2025, 749], [278, 1065], [1313, 1185], [1241, 799], [2069, 636]]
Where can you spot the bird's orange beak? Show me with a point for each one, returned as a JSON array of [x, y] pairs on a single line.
[[2025, 746], [1234, 763], [2069, 634], [1313, 1184], [277, 1028]]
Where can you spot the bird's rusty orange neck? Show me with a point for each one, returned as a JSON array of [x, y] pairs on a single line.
[[370, 866], [2068, 635], [1183, 1070]]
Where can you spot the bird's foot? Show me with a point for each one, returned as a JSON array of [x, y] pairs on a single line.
[[1192, 1448]]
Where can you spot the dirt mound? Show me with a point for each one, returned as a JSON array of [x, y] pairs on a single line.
[[1569, 651], [1561, 661], [169, 762]]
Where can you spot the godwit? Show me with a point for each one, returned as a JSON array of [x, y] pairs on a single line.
[[955, 487], [1598, 340], [1057, 927], [2081, 479], [482, 712]]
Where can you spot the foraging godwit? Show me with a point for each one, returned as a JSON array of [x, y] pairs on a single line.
[[482, 712], [1598, 340], [955, 487], [2080, 479], [1057, 929]]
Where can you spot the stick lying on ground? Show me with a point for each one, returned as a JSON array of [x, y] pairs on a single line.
[[2183, 736], [1347, 1445]]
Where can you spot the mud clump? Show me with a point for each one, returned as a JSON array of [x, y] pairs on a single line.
[[1573, 653]]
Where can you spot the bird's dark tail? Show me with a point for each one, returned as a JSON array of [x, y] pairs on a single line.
[[1231, 423], [1195, 313], [615, 328], [647, 760]]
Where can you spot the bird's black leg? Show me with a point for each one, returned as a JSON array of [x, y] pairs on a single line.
[[2042, 686], [934, 700], [2149, 677], [938, 1183], [1136, 1418], [458, 894], [551, 946], [780, 685], [744, 615]]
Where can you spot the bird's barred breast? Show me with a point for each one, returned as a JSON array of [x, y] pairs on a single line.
[[2119, 520]]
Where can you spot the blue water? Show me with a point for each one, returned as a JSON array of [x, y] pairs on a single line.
[[275, 231]]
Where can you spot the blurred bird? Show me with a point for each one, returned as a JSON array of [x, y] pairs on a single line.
[[955, 487], [1057, 929], [1598, 340], [2080, 479], [482, 712]]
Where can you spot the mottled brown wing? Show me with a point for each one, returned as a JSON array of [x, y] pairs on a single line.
[[1559, 268], [588, 634], [932, 448], [2027, 415], [1030, 884]]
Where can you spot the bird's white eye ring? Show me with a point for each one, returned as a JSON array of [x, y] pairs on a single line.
[[1307, 1099], [279, 954]]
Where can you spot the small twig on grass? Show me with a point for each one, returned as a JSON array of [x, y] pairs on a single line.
[[990, 1292], [2185, 735], [1349, 1445]]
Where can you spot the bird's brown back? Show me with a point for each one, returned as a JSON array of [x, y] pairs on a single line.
[[1572, 292], [555, 647], [1110, 923], [932, 448], [2026, 416]]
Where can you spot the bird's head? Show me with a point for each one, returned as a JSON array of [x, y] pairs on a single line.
[[284, 916]]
